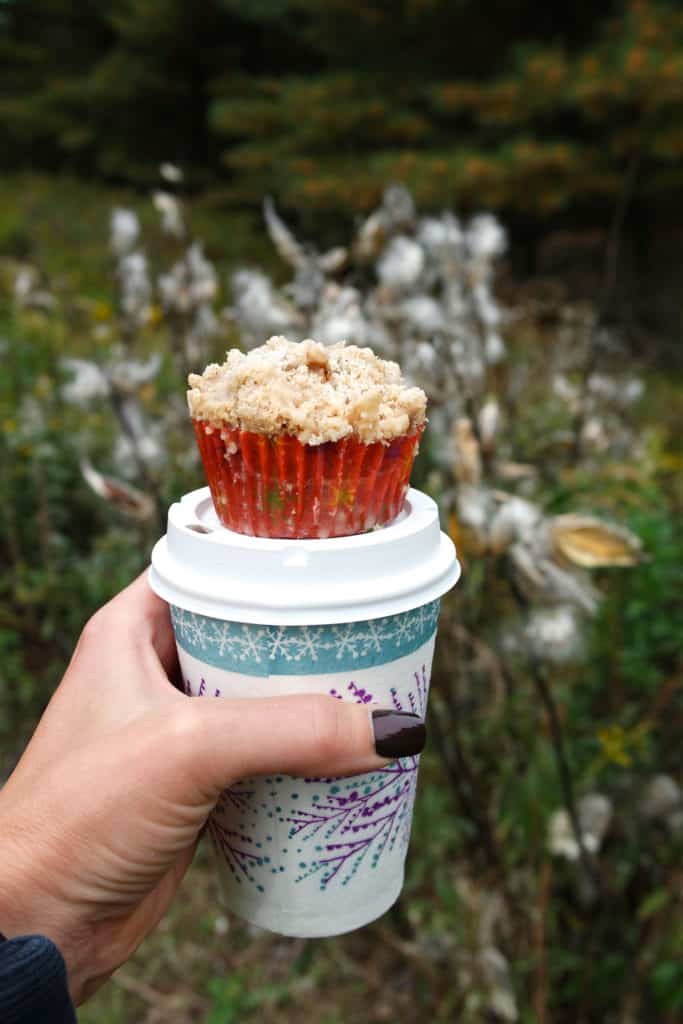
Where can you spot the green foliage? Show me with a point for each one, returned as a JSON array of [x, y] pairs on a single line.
[[236, 998], [645, 600], [519, 107], [555, 130], [63, 553], [666, 982]]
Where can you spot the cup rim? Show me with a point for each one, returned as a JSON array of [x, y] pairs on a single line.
[[271, 581]]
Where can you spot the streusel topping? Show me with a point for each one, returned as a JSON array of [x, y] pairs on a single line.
[[314, 392]]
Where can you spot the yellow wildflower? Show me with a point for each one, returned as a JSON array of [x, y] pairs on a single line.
[[154, 316], [617, 744], [101, 311], [612, 741]]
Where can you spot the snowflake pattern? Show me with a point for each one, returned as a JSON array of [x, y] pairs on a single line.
[[288, 650]]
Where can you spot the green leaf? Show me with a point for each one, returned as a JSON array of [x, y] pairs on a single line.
[[653, 903]]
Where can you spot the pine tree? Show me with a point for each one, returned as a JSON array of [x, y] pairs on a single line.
[[537, 116], [45, 45], [523, 107]]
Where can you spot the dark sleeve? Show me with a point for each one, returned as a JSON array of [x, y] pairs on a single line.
[[33, 986]]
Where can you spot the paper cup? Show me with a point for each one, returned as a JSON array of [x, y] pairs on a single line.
[[354, 618]]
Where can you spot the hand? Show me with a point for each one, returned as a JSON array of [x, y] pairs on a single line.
[[99, 821]]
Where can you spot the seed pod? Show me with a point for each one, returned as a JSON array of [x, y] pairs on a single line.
[[467, 464], [129, 500], [593, 544]]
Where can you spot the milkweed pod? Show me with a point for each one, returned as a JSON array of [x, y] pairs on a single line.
[[593, 544], [132, 502]]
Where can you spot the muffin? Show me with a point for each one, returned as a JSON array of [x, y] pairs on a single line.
[[303, 440]]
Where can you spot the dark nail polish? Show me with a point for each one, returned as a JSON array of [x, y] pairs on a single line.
[[397, 733]]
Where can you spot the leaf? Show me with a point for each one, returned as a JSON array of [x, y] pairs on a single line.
[[653, 903], [593, 544]]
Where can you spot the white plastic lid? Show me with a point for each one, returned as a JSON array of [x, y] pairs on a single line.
[[205, 568]]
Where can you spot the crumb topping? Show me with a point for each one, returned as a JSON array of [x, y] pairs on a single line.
[[314, 392]]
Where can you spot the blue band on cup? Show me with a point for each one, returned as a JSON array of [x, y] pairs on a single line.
[[303, 650]]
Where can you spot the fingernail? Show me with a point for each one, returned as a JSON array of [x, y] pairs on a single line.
[[398, 733]]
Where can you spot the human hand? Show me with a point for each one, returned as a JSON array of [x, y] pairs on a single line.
[[100, 819]]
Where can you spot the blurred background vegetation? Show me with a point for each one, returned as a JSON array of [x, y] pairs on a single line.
[[568, 125]]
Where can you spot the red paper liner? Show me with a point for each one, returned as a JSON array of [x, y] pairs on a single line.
[[278, 487]]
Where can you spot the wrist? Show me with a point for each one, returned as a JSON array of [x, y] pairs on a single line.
[[28, 906]]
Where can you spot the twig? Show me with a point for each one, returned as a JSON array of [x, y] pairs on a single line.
[[557, 736], [650, 936], [566, 784], [463, 784], [180, 325], [10, 527], [612, 252], [617, 229], [43, 518], [557, 741], [139, 988], [410, 952], [146, 478], [540, 994], [401, 921], [667, 692], [488, 660]]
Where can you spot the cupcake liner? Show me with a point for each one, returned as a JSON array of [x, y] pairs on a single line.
[[279, 487]]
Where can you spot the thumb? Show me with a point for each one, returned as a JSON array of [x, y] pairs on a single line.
[[297, 735]]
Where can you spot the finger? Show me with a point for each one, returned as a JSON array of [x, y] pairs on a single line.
[[122, 663], [300, 735], [139, 607], [135, 623]]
